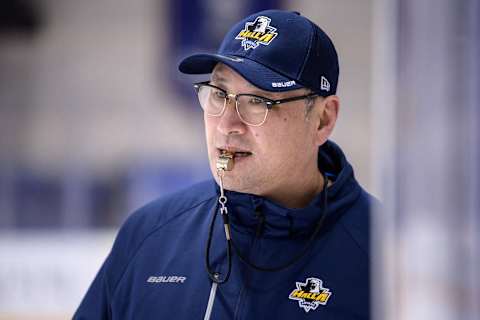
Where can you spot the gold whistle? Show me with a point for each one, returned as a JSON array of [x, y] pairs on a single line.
[[225, 161]]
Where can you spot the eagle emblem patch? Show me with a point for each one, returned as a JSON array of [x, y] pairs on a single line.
[[310, 294], [257, 32]]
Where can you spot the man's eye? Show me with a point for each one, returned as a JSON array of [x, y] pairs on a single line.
[[218, 94], [255, 101]]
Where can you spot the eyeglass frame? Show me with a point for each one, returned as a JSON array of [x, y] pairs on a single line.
[[270, 103]]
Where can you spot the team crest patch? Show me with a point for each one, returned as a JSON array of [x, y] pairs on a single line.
[[310, 294], [257, 32]]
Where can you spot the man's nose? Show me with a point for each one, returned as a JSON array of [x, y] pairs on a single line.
[[230, 122]]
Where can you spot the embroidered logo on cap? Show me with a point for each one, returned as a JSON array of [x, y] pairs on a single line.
[[285, 84], [257, 32], [310, 294], [324, 84]]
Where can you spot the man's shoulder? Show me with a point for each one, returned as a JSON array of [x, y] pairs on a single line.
[[147, 220], [160, 211], [356, 221]]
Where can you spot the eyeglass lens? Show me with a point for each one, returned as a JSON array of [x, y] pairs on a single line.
[[251, 109]]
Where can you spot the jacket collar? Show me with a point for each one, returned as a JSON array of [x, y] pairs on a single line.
[[247, 210]]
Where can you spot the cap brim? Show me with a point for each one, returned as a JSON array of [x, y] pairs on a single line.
[[255, 73]]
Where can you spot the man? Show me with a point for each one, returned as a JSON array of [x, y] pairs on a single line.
[[294, 243]]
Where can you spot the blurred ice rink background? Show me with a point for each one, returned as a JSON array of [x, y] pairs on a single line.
[[95, 121]]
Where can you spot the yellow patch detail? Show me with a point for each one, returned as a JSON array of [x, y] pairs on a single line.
[[266, 37], [257, 35], [296, 294], [243, 33], [262, 37], [323, 297]]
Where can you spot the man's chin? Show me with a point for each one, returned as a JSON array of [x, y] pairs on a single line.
[[232, 183]]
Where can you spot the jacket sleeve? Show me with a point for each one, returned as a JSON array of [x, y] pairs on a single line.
[[96, 303]]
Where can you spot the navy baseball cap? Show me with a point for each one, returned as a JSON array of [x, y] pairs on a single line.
[[275, 50]]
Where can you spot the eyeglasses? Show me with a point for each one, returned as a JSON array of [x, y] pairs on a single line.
[[251, 109]]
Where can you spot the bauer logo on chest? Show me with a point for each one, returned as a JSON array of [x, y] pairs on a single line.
[[167, 279]]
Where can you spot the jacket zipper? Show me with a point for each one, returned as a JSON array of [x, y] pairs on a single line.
[[211, 300], [256, 239]]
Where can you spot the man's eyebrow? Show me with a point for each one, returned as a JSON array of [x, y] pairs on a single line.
[[262, 93], [219, 79]]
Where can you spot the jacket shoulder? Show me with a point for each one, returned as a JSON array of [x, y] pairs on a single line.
[[148, 219], [357, 221], [161, 210]]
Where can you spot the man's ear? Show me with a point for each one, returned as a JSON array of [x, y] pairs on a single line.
[[327, 118]]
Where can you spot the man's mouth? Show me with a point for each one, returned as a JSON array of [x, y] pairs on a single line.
[[235, 152]]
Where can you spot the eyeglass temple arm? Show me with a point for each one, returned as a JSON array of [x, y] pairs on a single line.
[[275, 102]]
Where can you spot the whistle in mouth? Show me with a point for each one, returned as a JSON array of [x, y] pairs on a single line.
[[225, 161]]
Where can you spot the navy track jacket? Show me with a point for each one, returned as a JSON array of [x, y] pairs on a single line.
[[156, 268]]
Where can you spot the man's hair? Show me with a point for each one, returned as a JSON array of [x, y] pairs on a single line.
[[309, 104]]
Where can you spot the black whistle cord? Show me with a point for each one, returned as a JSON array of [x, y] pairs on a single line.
[[230, 243], [214, 276]]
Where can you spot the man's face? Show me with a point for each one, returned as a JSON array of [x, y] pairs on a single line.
[[282, 153]]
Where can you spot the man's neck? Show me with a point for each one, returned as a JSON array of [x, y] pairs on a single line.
[[299, 196]]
